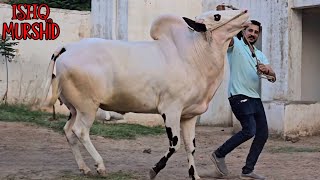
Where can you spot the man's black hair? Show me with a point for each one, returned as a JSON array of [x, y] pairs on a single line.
[[254, 22], [257, 23]]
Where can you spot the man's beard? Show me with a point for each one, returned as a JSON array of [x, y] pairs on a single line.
[[252, 43]]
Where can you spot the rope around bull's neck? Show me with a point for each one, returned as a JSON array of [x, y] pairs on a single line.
[[230, 20], [260, 74]]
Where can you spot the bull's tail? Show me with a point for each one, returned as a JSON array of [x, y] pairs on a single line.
[[55, 91], [51, 79]]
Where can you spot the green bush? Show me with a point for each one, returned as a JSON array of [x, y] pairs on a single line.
[[80, 5]]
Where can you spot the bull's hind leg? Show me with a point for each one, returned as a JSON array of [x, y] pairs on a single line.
[[188, 133], [81, 129], [172, 122], [74, 143]]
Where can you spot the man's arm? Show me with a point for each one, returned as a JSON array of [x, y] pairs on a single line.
[[231, 43]]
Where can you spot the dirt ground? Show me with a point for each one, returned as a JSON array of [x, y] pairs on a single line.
[[30, 152]]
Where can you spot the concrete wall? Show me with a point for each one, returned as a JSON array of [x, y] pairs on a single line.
[[33, 56], [301, 115], [302, 119], [141, 14], [109, 19], [131, 20], [301, 4]]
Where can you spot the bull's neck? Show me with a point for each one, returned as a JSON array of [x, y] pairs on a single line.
[[209, 55]]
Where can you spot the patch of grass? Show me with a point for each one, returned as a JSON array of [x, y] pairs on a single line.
[[291, 149], [111, 176], [21, 113], [124, 131]]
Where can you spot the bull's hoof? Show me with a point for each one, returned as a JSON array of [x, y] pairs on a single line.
[[86, 172], [152, 174], [102, 172]]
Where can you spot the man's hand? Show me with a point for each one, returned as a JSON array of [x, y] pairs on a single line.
[[263, 69], [267, 70], [221, 7]]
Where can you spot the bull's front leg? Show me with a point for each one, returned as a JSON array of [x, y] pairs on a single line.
[[172, 123], [188, 133]]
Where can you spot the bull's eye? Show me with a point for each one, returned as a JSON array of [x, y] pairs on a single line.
[[217, 17]]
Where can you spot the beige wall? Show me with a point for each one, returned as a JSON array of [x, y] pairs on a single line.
[[302, 119], [141, 13], [33, 56], [302, 115]]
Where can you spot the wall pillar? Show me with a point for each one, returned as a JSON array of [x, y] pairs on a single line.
[[109, 19]]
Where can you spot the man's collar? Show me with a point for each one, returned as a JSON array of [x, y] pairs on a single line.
[[247, 44]]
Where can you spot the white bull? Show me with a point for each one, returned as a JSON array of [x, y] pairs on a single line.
[[175, 75]]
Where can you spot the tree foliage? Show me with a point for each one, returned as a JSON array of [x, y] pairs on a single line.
[[80, 5], [7, 51], [6, 48]]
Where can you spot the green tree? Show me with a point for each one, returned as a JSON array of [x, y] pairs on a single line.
[[80, 5], [7, 51]]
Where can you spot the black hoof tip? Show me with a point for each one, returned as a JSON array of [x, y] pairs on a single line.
[[152, 174]]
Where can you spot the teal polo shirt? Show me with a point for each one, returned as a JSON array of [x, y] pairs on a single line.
[[243, 73]]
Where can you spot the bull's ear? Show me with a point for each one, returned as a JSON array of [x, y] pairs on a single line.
[[196, 26]]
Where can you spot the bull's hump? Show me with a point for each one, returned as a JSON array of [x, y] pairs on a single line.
[[161, 26]]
